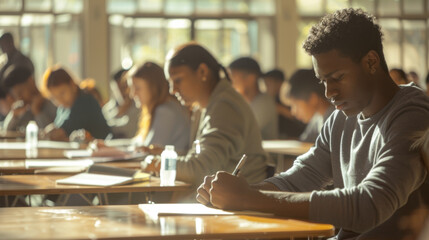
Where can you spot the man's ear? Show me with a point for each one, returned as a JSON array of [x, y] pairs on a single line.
[[371, 62]]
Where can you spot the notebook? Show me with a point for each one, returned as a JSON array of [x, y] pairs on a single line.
[[105, 176]]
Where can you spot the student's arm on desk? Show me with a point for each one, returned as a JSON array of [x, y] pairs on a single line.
[[229, 192]]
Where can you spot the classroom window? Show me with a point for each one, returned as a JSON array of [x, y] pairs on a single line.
[[48, 31], [228, 28]]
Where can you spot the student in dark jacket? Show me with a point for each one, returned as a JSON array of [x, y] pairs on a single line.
[[76, 109]]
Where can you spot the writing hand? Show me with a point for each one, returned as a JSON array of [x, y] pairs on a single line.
[[203, 190]]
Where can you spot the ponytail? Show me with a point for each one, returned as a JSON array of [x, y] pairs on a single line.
[[225, 72]]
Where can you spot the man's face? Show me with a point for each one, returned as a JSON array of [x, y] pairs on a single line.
[[273, 86], [63, 95], [347, 84], [242, 81], [24, 91], [302, 110]]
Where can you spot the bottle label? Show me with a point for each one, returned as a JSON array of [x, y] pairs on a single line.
[[170, 164]]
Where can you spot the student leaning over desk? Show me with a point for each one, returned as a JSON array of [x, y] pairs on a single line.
[[227, 126], [364, 147], [76, 109]]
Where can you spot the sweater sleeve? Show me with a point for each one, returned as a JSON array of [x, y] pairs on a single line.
[[398, 172], [222, 135]]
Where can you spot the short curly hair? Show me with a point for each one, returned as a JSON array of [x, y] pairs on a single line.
[[352, 32]]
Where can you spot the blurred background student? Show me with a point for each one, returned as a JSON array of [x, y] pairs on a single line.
[[12, 56], [306, 96], [398, 75], [29, 103], [6, 101], [227, 126], [245, 74], [76, 109], [120, 111], [163, 121], [88, 86], [289, 126]]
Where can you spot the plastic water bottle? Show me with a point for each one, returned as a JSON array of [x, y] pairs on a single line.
[[168, 166], [31, 135]]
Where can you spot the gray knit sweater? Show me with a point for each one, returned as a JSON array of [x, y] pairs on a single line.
[[370, 163]]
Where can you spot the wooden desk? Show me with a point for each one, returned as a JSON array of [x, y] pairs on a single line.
[[129, 222], [11, 135], [9, 154], [286, 147], [45, 184], [16, 166]]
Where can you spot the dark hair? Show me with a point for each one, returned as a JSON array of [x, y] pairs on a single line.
[[117, 76], [352, 32], [427, 78], [275, 74], [15, 75], [7, 37], [303, 83], [401, 73], [154, 75], [246, 64], [56, 76], [3, 93], [192, 55]]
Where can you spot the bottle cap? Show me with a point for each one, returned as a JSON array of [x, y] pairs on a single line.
[[169, 147]]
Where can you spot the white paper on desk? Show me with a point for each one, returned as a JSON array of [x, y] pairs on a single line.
[[45, 163], [58, 144], [91, 179], [77, 153], [190, 209], [40, 144]]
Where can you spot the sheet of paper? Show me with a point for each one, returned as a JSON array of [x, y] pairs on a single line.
[[190, 209], [45, 163], [77, 153], [90, 179], [40, 144]]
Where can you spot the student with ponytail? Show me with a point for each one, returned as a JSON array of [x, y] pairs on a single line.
[[227, 128]]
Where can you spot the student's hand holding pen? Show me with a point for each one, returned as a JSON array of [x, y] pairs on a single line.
[[203, 191], [224, 190]]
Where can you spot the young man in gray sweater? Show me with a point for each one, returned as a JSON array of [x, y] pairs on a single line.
[[363, 149]]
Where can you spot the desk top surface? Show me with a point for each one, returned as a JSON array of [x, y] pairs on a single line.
[[45, 184], [17, 166], [130, 222]]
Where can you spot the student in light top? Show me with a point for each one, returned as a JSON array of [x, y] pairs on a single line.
[[306, 96], [19, 82], [227, 128], [163, 121], [76, 109], [245, 74], [363, 149]]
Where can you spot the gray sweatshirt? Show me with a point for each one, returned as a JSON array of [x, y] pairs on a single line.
[[226, 130], [370, 163]]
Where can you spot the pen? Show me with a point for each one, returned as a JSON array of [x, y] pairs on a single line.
[[239, 165]]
